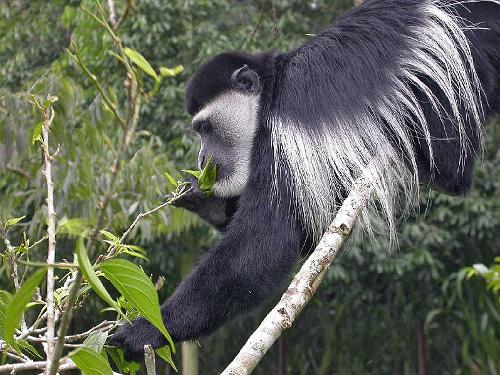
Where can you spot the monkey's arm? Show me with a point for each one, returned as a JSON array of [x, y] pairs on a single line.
[[245, 267], [217, 212]]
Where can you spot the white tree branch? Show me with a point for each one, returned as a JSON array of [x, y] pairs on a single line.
[[112, 13], [18, 367], [305, 283], [149, 360], [48, 117]]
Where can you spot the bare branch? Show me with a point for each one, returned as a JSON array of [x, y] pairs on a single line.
[[40, 365], [124, 15], [141, 215], [305, 283], [38, 242], [255, 28], [149, 360], [48, 117], [19, 171], [103, 326], [112, 13]]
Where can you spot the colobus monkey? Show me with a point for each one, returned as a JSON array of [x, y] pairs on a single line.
[[404, 84]]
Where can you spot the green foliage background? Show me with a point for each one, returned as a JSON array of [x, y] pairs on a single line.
[[373, 305]]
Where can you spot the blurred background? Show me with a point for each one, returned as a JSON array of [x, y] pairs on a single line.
[[410, 311]]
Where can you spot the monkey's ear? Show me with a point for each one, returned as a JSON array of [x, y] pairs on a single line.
[[246, 79]]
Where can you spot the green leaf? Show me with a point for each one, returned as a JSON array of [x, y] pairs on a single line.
[[25, 346], [141, 62], [14, 221], [123, 366], [168, 72], [91, 277], [5, 299], [91, 362], [133, 253], [96, 340], [37, 133], [171, 179], [192, 172], [166, 354], [207, 177], [137, 288], [136, 248], [18, 303], [75, 227], [109, 235]]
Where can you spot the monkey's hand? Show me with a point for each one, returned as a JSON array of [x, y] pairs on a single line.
[[193, 199], [215, 211], [134, 335]]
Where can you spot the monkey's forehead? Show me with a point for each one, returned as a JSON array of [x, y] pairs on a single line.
[[214, 78]]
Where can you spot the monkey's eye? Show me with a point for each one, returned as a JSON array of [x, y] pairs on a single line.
[[202, 126]]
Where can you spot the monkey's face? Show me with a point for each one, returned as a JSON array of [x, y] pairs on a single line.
[[227, 127], [223, 97]]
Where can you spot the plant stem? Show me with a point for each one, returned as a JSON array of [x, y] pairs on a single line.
[[139, 217], [109, 103], [48, 117], [13, 263]]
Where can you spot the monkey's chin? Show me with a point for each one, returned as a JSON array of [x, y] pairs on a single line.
[[230, 186]]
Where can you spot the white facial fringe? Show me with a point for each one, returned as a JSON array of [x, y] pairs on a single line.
[[235, 116], [323, 168]]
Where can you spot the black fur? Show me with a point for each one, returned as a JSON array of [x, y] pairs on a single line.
[[336, 74]]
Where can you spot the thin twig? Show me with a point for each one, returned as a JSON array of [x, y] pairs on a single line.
[[38, 242], [103, 326], [116, 39], [124, 15], [112, 248], [255, 28], [34, 328], [48, 117], [275, 30], [19, 171], [109, 103], [140, 216]]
